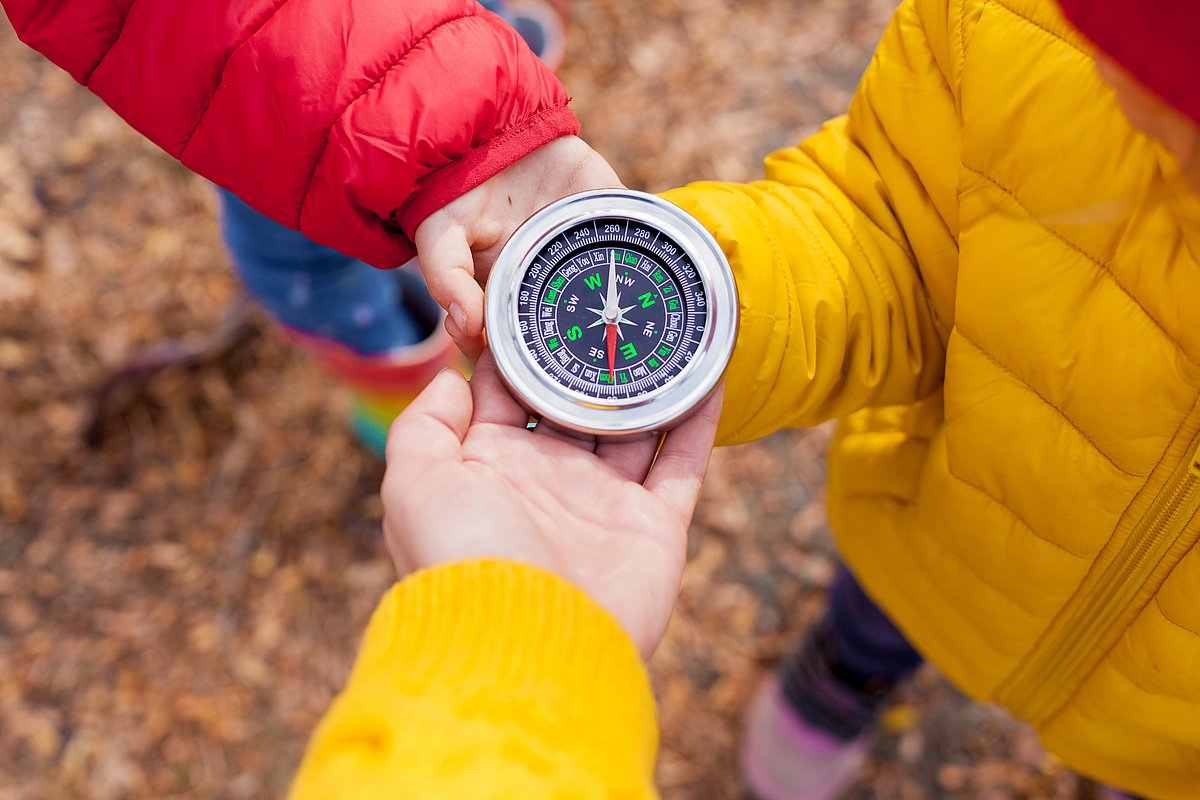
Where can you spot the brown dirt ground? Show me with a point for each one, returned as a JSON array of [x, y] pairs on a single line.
[[178, 606]]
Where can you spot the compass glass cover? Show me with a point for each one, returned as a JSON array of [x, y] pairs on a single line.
[[611, 308]]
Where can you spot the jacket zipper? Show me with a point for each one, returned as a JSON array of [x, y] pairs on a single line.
[[1039, 679]]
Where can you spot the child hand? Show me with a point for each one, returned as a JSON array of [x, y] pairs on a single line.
[[466, 479], [457, 244]]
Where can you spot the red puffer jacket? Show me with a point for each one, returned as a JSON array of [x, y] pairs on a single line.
[[351, 120]]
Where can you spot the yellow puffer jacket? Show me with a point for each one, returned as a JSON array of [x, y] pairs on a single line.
[[987, 257]]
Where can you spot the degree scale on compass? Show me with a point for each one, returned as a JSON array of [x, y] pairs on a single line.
[[611, 312]]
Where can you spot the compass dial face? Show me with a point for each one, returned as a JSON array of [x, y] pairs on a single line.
[[612, 309]]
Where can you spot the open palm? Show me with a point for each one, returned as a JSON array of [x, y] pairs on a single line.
[[466, 479]]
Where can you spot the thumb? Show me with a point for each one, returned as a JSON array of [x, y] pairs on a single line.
[[444, 254], [424, 445], [433, 426]]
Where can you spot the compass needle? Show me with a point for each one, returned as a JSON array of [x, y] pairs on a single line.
[[611, 308], [610, 333]]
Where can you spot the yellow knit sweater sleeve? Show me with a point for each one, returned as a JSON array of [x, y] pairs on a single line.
[[845, 254], [487, 679]]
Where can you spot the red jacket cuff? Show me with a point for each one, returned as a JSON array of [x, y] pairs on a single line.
[[460, 176]]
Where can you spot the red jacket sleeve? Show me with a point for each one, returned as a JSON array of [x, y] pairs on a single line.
[[351, 120]]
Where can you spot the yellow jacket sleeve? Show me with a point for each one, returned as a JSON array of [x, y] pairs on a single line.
[[845, 255], [487, 679]]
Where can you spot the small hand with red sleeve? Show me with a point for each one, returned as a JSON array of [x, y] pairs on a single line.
[[457, 244]]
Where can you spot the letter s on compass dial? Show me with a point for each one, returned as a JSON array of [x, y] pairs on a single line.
[[611, 313]]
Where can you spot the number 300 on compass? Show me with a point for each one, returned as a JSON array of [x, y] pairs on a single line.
[[611, 313]]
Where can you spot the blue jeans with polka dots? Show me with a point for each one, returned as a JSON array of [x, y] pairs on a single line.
[[317, 290], [314, 289]]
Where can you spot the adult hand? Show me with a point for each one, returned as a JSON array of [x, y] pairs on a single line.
[[457, 244], [465, 479]]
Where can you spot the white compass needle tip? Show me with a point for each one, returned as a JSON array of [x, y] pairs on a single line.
[[611, 303]]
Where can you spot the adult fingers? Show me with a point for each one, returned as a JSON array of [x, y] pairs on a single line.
[[631, 460], [678, 471], [493, 404]]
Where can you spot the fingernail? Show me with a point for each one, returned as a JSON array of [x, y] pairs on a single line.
[[459, 316], [452, 328]]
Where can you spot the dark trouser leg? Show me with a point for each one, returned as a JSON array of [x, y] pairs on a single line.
[[314, 289], [847, 665]]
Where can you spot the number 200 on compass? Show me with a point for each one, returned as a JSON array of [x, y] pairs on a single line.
[[611, 313]]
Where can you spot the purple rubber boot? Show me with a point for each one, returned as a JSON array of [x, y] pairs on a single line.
[[810, 725], [783, 757]]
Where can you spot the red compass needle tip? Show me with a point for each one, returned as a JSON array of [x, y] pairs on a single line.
[[610, 333]]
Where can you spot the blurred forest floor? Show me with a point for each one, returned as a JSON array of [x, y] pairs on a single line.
[[179, 605]]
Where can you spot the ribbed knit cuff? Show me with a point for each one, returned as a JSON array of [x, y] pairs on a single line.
[[492, 671]]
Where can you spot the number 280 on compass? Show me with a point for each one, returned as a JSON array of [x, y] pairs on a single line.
[[611, 313]]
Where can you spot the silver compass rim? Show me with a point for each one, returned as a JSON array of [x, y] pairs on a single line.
[[664, 406]]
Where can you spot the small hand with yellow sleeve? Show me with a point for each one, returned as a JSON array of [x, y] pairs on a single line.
[[510, 665]]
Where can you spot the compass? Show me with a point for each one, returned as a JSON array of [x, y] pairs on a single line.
[[611, 313]]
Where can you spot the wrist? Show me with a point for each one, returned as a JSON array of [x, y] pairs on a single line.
[[489, 159], [498, 645]]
